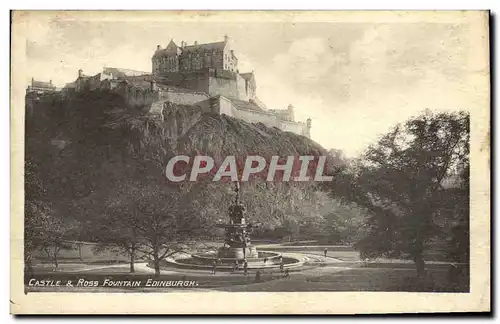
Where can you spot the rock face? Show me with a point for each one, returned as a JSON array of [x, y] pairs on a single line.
[[83, 146], [222, 135]]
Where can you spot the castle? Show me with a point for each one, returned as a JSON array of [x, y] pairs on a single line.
[[203, 75]]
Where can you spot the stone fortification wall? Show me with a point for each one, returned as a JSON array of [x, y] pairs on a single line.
[[136, 96], [223, 87], [94, 82], [193, 80], [211, 81], [294, 127], [222, 105], [253, 116], [182, 98]]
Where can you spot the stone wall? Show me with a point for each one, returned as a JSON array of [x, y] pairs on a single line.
[[135, 96], [94, 82], [110, 84], [195, 60], [222, 105], [183, 98], [294, 127], [81, 84], [211, 81], [195, 80], [252, 116], [223, 87], [243, 91]]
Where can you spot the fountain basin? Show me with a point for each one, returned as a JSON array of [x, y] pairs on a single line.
[[205, 261], [226, 252], [268, 256]]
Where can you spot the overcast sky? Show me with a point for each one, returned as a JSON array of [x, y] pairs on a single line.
[[354, 79]]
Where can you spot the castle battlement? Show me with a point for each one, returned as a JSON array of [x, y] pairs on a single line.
[[203, 75]]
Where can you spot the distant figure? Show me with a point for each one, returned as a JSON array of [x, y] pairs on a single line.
[[282, 266], [287, 273], [236, 266], [265, 260], [257, 275], [214, 267], [245, 267], [326, 251]]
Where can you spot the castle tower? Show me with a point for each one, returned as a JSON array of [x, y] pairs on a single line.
[[308, 125], [167, 59]]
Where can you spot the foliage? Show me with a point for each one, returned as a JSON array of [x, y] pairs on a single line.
[[400, 180]]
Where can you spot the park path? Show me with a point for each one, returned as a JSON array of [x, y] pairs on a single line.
[[93, 268]]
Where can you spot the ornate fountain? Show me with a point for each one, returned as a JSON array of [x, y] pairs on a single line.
[[237, 244]]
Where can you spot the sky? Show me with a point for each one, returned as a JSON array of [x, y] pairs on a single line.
[[354, 79]]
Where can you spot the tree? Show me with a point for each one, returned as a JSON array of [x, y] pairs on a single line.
[[115, 231], [56, 237], [400, 181], [151, 218], [36, 213]]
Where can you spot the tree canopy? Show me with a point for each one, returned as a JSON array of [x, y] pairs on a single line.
[[403, 181]]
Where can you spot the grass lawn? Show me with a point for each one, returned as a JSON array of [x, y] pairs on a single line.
[[327, 278], [358, 279], [350, 275]]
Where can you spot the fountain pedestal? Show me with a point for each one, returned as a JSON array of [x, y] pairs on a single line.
[[239, 253]]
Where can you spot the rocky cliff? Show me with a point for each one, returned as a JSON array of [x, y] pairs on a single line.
[[83, 146]]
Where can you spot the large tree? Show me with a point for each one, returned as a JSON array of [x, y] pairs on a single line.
[[36, 215], [401, 181], [151, 219]]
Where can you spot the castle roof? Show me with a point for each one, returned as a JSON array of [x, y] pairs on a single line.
[[41, 84], [172, 48], [120, 73], [218, 46], [245, 105]]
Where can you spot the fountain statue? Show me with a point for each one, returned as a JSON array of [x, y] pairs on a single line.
[[237, 242]]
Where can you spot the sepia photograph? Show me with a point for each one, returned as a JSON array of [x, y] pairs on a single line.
[[215, 155]]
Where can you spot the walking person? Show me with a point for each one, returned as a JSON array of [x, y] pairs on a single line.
[[257, 276], [245, 267], [214, 267], [326, 251], [282, 266]]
